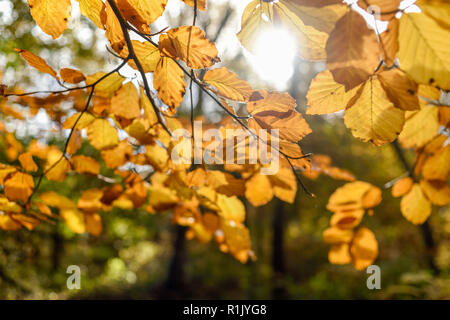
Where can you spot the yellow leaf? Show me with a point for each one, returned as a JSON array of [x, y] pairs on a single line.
[[420, 127], [349, 196], [335, 235], [71, 75], [117, 156], [258, 190], [90, 200], [424, 51], [400, 89], [113, 30], [237, 239], [94, 10], [54, 199], [347, 219], [352, 51], [284, 184], [437, 167], [157, 156], [37, 62], [107, 85], [414, 205], [371, 198], [74, 142], [147, 54], [193, 47], [19, 186], [83, 122], [142, 12], [27, 162], [371, 116], [147, 106], [84, 164], [389, 42], [438, 192], [125, 103], [74, 219], [102, 135], [56, 166], [201, 4], [51, 16], [325, 95], [162, 198], [93, 223], [364, 249], [402, 187], [231, 208], [339, 254], [228, 84], [168, 81], [311, 41]]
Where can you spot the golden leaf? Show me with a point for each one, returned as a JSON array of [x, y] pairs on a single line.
[[102, 135], [437, 191], [381, 6], [325, 95], [117, 156], [147, 54], [27, 162], [113, 29], [193, 47], [339, 254], [258, 190], [335, 235], [36, 62], [415, 206], [74, 219], [125, 103], [231, 208], [284, 184], [19, 186], [51, 16], [75, 142], [364, 249], [85, 164], [54, 199], [371, 116], [402, 187], [107, 86], [71, 75], [201, 4], [168, 81], [93, 223], [83, 122], [400, 89], [437, 167], [142, 12], [228, 84], [420, 127], [147, 106], [352, 51], [389, 42], [424, 51], [94, 10]]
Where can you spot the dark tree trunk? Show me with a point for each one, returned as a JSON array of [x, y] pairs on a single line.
[[278, 263], [175, 278]]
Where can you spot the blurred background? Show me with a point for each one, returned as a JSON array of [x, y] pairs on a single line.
[[143, 256]]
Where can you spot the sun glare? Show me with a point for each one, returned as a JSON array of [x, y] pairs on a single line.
[[273, 58]]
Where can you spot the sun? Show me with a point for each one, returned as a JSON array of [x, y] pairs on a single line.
[[273, 56]]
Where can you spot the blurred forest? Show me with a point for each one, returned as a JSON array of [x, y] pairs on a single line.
[[143, 256]]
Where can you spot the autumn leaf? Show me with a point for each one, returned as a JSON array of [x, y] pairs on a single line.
[[424, 52], [381, 8], [93, 223], [201, 4], [125, 102], [147, 54], [27, 162], [437, 191], [37, 62], [371, 116], [400, 89], [106, 87], [51, 16], [415, 206], [71, 75], [102, 135], [228, 84], [364, 249], [193, 47], [402, 186], [420, 127], [94, 10], [142, 12], [168, 81], [85, 164], [19, 186], [352, 51], [258, 190]]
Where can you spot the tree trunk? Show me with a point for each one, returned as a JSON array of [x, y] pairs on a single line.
[[175, 278], [278, 266]]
